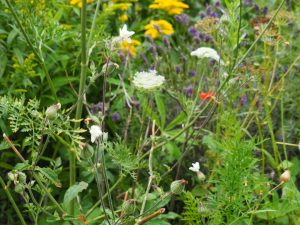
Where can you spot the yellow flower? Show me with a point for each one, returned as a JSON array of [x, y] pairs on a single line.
[[171, 6], [156, 27], [130, 47], [79, 2], [123, 18]]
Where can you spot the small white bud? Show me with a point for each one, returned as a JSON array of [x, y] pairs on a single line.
[[285, 177]]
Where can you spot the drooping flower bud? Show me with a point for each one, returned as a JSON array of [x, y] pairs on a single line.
[[51, 111], [128, 207], [285, 177], [177, 186]]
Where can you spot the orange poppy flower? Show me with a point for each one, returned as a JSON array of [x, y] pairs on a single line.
[[206, 96]]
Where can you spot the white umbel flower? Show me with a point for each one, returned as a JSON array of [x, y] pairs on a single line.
[[95, 132], [148, 80], [195, 167], [124, 35], [205, 52]]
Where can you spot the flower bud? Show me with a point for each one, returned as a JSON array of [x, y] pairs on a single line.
[[285, 177], [201, 176], [177, 186], [51, 111], [128, 207]]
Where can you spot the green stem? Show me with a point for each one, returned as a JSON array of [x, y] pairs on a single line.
[[12, 201], [36, 53], [104, 196], [80, 96]]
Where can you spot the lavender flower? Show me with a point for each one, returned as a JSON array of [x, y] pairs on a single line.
[[183, 19], [166, 42], [192, 73], [188, 90], [177, 69], [244, 100], [193, 31], [115, 117]]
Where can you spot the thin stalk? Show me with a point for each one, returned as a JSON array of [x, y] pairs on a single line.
[[12, 201], [150, 170], [72, 158], [106, 183], [36, 53], [93, 24], [282, 121], [270, 126], [104, 196]]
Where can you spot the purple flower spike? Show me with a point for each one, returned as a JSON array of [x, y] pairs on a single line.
[[188, 91], [177, 69], [183, 19], [115, 117], [193, 31], [244, 100], [192, 73]]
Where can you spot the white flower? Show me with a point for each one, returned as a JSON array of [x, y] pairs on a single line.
[[205, 52], [124, 35], [96, 132], [195, 167], [148, 80]]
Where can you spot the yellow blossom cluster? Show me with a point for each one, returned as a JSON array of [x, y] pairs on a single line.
[[79, 2], [129, 47], [171, 6], [157, 27]]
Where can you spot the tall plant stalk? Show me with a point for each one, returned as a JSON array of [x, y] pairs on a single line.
[[72, 159]]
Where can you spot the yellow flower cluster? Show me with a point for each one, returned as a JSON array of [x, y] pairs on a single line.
[[171, 6], [157, 27], [79, 2], [130, 47]]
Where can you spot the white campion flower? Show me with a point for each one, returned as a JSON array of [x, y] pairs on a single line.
[[205, 52], [124, 35], [95, 132], [195, 167], [148, 80]]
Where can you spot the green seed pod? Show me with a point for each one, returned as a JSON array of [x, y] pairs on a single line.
[[128, 207], [51, 111], [177, 186], [22, 177], [19, 188]]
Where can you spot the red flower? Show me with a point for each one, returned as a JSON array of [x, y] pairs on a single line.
[[206, 96]]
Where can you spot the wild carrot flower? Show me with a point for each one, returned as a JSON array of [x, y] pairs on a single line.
[[148, 80], [79, 2], [170, 6], [205, 52], [156, 27], [129, 47], [95, 132]]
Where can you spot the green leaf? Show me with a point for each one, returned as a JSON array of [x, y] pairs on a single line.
[[50, 175], [22, 166], [3, 63], [73, 191], [161, 109], [178, 120]]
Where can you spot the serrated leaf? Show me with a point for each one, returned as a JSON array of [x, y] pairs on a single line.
[[73, 191], [50, 175]]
